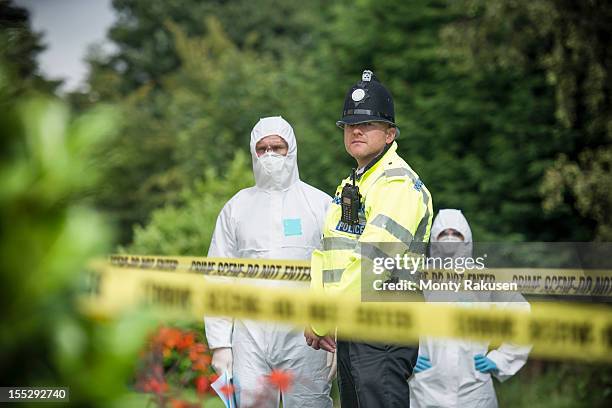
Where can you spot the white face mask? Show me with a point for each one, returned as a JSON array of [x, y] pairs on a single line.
[[272, 170], [448, 246], [272, 163]]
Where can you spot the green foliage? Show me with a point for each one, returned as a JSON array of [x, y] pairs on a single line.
[[566, 44], [45, 171], [146, 46], [49, 233], [19, 47], [186, 228], [480, 136], [139, 171], [504, 108], [200, 116], [567, 385], [214, 98], [481, 91], [48, 167], [589, 181]]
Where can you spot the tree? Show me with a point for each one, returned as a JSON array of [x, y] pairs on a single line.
[[473, 83], [20, 46], [579, 66], [146, 45], [195, 121], [566, 43], [478, 134], [199, 100], [187, 227]]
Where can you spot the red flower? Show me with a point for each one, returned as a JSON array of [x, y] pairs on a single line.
[[185, 341], [180, 404], [202, 384], [281, 379], [168, 337], [196, 350], [202, 363], [157, 387]]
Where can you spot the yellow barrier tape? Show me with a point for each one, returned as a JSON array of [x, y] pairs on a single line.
[[530, 281], [235, 268], [538, 281], [558, 331]]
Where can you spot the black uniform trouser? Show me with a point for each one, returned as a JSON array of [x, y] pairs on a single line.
[[372, 375]]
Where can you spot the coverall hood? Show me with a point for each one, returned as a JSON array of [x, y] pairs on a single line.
[[288, 174], [450, 218]]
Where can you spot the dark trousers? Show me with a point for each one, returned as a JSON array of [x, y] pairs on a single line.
[[372, 375]]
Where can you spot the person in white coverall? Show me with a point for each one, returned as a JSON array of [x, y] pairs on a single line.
[[453, 373], [281, 217]]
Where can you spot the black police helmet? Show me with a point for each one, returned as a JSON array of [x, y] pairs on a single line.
[[367, 101]]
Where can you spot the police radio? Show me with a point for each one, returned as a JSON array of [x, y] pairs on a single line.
[[351, 200]]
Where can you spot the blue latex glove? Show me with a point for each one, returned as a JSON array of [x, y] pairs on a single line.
[[422, 364], [484, 364]]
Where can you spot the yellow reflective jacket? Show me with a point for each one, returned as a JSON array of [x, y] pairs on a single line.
[[396, 209]]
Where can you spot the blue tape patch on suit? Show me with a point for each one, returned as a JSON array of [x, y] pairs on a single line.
[[292, 226]]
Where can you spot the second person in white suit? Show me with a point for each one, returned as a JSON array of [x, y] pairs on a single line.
[[453, 373]]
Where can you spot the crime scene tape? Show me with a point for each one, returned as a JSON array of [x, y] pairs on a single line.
[[538, 281], [229, 267], [530, 281], [557, 331]]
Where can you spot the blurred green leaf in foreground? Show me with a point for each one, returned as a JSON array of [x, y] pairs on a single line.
[[48, 234]]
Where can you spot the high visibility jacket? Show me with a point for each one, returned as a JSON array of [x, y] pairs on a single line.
[[395, 208]]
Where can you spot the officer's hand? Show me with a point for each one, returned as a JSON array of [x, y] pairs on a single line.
[[311, 339], [327, 343]]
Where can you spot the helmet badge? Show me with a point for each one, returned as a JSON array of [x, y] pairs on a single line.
[[358, 95]]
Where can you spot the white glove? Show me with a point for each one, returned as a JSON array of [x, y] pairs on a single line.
[[332, 363], [222, 360]]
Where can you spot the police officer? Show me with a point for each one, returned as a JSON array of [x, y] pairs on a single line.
[[383, 201]]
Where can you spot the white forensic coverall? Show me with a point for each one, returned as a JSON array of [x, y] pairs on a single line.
[[453, 381], [281, 217]]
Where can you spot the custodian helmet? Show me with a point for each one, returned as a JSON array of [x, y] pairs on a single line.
[[367, 101]]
